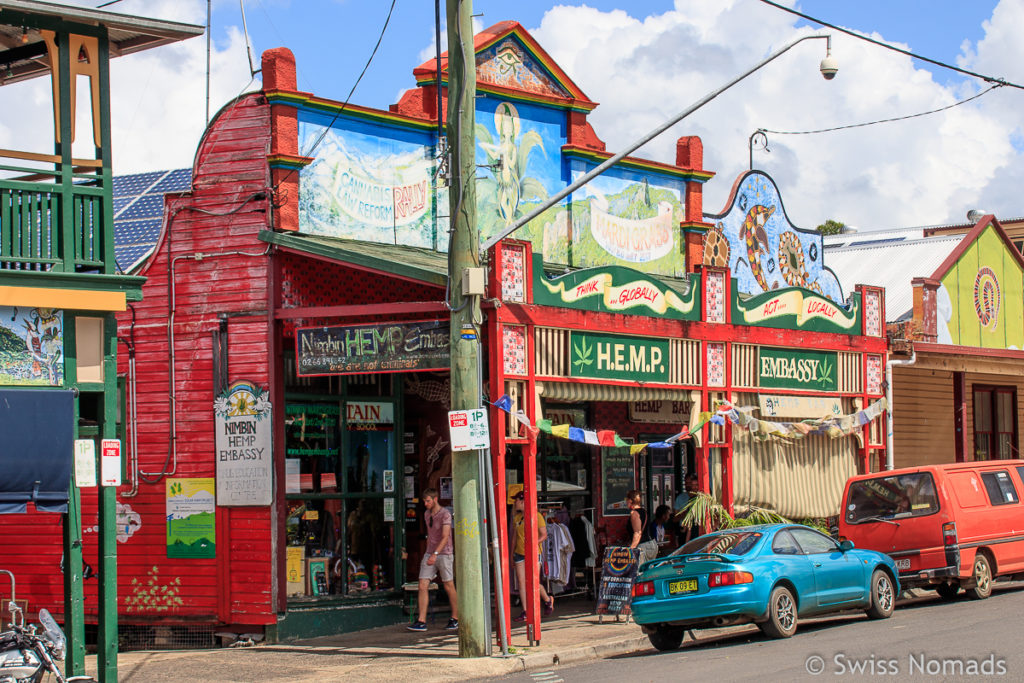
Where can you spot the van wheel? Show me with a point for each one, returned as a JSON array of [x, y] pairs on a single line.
[[667, 638], [948, 591], [883, 598], [781, 614], [982, 578]]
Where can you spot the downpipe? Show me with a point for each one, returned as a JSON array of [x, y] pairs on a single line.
[[888, 398]]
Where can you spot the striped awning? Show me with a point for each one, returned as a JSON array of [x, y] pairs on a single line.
[[799, 479], [578, 391]]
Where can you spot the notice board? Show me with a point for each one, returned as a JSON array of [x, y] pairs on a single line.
[[618, 571], [617, 478]]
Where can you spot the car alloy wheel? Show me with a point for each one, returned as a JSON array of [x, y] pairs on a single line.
[[982, 578], [883, 598], [781, 622]]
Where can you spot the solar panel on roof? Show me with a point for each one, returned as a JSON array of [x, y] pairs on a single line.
[[139, 209]]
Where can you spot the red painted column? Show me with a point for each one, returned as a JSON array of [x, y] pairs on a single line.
[[498, 441], [530, 493]]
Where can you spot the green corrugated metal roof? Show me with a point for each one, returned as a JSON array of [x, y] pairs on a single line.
[[424, 265]]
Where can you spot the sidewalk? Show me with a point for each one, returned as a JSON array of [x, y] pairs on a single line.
[[390, 653], [573, 634]]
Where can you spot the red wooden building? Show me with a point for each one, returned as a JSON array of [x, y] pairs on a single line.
[[286, 370]]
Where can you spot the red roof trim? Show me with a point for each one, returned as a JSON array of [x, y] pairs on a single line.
[[970, 238], [487, 37]]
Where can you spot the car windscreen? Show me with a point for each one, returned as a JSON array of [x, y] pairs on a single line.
[[893, 497], [731, 543]]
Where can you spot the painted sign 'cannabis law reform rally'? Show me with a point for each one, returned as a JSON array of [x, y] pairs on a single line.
[[610, 356]]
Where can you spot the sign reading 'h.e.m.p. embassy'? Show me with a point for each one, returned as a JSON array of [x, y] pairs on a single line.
[[397, 347]]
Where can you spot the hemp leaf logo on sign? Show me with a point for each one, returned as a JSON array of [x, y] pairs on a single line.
[[825, 376], [583, 354]]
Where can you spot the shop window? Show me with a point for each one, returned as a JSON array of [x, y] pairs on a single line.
[[995, 422], [342, 496]]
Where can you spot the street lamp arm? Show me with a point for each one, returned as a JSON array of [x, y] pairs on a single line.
[[611, 161]]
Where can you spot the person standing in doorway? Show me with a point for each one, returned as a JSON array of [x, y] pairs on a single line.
[[438, 561], [519, 553], [640, 533]]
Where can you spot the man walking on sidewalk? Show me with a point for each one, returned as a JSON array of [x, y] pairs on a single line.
[[439, 560]]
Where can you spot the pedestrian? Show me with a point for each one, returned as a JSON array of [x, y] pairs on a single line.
[[517, 498], [660, 525], [640, 533], [688, 532], [439, 560]]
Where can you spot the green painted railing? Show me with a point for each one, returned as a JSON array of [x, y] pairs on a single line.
[[32, 228]]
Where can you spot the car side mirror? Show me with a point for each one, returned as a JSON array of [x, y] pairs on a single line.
[[846, 545]]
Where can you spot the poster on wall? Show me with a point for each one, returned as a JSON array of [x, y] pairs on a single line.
[[243, 436], [617, 475], [191, 516], [31, 346]]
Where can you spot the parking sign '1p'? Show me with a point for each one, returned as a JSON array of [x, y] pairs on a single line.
[[468, 429]]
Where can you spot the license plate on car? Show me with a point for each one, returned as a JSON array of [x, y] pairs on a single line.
[[684, 586], [903, 564]]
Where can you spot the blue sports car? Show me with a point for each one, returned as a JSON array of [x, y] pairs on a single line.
[[770, 575]]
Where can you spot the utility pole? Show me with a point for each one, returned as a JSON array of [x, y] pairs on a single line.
[[464, 252]]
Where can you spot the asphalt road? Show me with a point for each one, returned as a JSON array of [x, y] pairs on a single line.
[[926, 639]]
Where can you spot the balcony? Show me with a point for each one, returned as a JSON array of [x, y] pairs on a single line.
[[52, 220]]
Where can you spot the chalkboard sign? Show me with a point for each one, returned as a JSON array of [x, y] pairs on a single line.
[[618, 571], [617, 479], [397, 347]]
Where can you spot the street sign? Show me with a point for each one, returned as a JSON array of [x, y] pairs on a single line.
[[85, 463], [110, 462], [468, 429]]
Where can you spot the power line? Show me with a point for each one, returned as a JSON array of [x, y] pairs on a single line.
[[327, 128], [871, 123], [988, 79]]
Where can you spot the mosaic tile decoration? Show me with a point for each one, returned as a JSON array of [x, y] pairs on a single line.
[[716, 364], [514, 345], [716, 297], [872, 313], [513, 273], [874, 383]]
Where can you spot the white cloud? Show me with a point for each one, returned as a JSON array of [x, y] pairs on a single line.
[[158, 97], [924, 171]]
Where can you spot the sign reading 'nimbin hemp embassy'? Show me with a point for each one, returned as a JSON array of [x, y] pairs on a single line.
[[609, 356], [789, 369]]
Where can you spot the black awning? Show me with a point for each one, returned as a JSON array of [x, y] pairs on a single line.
[[36, 448]]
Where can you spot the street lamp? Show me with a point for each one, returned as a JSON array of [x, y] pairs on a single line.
[[828, 67]]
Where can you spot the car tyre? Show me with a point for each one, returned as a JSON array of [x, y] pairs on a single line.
[[782, 614], [948, 591], [982, 578], [883, 596], [667, 638]]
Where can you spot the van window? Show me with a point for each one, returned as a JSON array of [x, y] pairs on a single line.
[[906, 495], [1020, 473], [999, 487]]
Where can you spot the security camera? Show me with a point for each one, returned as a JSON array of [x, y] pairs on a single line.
[[829, 68]]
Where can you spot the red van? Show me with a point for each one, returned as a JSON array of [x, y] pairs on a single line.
[[947, 526]]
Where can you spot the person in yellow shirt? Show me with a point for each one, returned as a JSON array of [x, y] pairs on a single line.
[[519, 554]]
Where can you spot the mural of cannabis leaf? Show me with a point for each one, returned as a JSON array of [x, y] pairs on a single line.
[[583, 354]]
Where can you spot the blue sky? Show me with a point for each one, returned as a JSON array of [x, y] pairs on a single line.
[[643, 62], [345, 31]]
